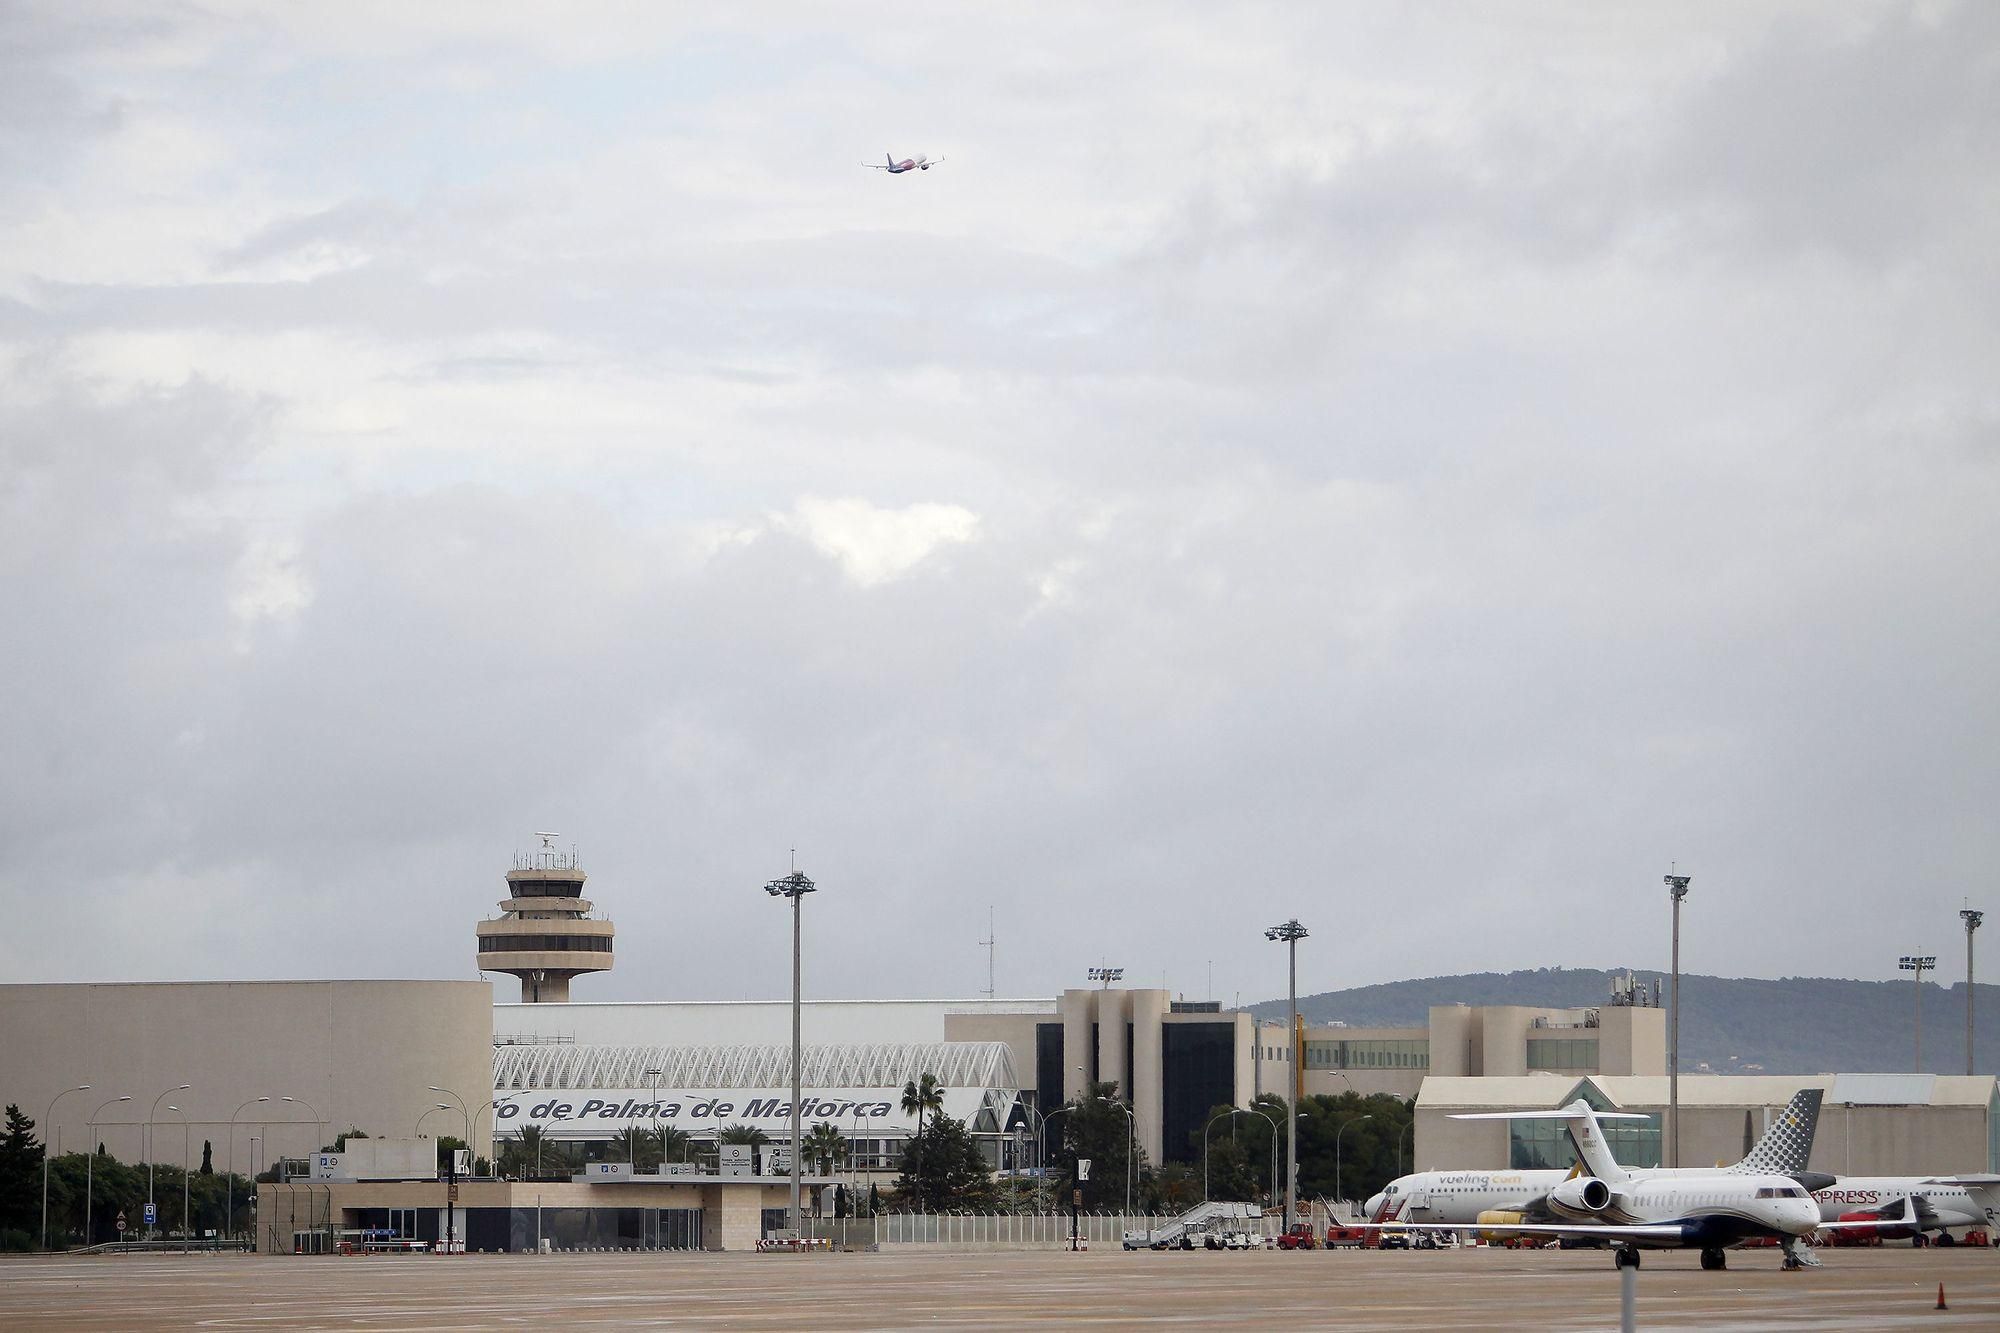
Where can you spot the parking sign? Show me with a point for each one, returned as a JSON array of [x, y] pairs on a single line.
[[152, 1215]]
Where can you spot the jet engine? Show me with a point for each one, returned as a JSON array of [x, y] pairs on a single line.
[[1493, 1224], [1581, 1194]]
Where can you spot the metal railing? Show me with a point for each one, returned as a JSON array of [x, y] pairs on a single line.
[[1035, 1229]]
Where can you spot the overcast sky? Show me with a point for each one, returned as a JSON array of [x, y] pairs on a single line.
[[1424, 469]]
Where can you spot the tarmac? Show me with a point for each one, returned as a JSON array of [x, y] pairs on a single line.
[[1871, 1289]]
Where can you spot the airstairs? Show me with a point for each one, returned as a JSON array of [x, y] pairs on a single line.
[[1196, 1221]]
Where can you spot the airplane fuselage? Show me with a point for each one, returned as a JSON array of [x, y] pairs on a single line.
[[1939, 1206]]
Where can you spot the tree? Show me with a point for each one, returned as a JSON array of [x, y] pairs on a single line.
[[447, 1145], [825, 1147], [741, 1133], [920, 1095], [1361, 1159], [672, 1143], [20, 1174], [1095, 1126], [946, 1168], [207, 1158]]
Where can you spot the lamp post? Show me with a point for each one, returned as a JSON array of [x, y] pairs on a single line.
[[229, 1174], [317, 1122], [794, 886], [1220, 1115], [187, 1147], [461, 1112], [494, 1103], [90, 1165], [46, 1119], [1971, 918], [418, 1132], [1345, 1126], [1677, 888], [1291, 932], [1918, 964], [1408, 1125], [150, 1154]]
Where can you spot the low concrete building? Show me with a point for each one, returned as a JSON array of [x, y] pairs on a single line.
[[1870, 1124]]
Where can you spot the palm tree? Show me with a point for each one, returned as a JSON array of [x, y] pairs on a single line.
[[825, 1146], [920, 1095], [740, 1133], [530, 1138], [672, 1142]]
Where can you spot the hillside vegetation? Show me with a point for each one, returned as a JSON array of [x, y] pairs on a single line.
[[1792, 1025]]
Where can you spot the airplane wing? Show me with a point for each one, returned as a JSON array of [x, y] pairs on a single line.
[[878, 166], [1974, 1181]]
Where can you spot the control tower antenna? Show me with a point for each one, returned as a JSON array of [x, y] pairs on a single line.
[[545, 934], [988, 942]]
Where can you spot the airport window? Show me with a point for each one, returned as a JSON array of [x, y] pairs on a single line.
[[1546, 1145], [545, 943], [1563, 1054], [1372, 1054]]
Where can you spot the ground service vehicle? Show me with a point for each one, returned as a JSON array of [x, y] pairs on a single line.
[[1299, 1237]]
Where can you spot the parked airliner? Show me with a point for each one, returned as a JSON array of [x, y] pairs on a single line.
[[895, 168], [1495, 1199], [1928, 1203], [1710, 1212]]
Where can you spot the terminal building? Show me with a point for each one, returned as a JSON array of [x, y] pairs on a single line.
[[272, 1072]]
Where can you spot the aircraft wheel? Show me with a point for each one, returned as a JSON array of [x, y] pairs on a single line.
[[1714, 1260], [1625, 1257], [1945, 1238]]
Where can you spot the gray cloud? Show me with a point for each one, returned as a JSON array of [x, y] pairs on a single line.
[[1416, 474]]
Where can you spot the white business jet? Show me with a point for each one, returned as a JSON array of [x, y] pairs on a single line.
[[1710, 1212]]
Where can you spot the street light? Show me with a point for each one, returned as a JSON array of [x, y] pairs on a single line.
[[1971, 918], [1222, 1115], [317, 1122], [90, 1165], [187, 1147], [229, 1175], [461, 1112], [1408, 1125], [1677, 887], [47, 1119], [1291, 932], [1344, 1127], [150, 1154], [1919, 964], [794, 886]]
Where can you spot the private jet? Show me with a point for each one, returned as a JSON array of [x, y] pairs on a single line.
[[1711, 1212]]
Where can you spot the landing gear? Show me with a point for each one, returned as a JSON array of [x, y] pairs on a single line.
[[1797, 1256], [1625, 1257], [1945, 1238], [1714, 1259]]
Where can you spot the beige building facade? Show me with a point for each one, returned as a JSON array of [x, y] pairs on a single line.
[[359, 1054]]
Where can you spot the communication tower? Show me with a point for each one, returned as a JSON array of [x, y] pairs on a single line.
[[545, 934]]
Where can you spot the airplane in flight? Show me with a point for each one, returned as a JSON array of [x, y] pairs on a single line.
[[1927, 1203], [1495, 1199], [1709, 1211], [895, 168]]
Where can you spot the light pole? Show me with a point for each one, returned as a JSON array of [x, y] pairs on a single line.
[[418, 1132], [1919, 964], [187, 1147], [229, 1175], [151, 1116], [794, 886], [1971, 918], [317, 1122], [1344, 1127], [461, 1112], [1220, 1115], [1408, 1125], [49, 1117], [493, 1157], [90, 1165], [1291, 932], [1677, 888]]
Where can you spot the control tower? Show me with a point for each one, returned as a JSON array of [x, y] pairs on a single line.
[[545, 934]]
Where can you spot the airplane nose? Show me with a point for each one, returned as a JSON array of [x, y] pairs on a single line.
[[1373, 1207]]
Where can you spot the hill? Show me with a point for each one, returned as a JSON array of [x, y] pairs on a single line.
[[1792, 1025]]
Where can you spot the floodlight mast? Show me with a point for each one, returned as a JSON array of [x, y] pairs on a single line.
[[1972, 918], [1291, 932], [1677, 885], [1919, 964], [794, 886]]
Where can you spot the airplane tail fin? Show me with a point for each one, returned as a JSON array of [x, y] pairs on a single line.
[[1787, 1145], [1585, 1133], [890, 158]]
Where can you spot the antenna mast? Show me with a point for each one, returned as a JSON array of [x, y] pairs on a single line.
[[988, 942]]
